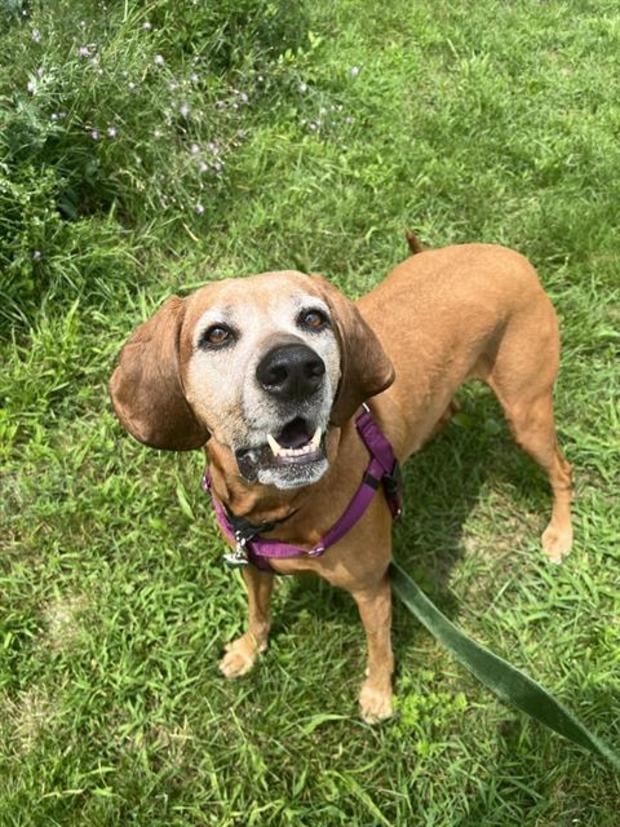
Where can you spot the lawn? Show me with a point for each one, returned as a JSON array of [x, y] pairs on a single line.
[[148, 147]]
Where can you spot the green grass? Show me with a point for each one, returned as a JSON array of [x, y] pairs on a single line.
[[492, 121]]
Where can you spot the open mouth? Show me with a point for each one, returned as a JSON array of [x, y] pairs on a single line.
[[298, 445], [295, 443]]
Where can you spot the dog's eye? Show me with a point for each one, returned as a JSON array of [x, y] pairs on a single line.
[[216, 336], [313, 319]]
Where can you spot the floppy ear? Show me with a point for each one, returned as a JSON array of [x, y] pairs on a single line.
[[146, 390], [365, 369]]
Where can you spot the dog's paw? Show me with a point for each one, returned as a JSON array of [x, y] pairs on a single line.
[[375, 703], [240, 656], [556, 542]]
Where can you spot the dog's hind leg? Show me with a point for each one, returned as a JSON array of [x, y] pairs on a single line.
[[522, 377], [533, 427], [241, 654]]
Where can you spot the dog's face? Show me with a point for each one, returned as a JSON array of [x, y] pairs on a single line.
[[263, 373], [261, 364]]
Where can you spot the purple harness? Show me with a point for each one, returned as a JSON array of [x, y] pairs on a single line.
[[383, 469]]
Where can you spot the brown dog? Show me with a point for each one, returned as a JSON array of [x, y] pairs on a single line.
[[267, 372]]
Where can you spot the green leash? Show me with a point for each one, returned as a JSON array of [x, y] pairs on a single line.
[[509, 684]]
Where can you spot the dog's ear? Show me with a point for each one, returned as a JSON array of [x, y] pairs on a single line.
[[146, 387], [365, 369]]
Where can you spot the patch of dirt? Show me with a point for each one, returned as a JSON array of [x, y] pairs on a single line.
[[61, 618]]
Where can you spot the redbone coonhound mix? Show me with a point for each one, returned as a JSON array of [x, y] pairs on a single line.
[[267, 372]]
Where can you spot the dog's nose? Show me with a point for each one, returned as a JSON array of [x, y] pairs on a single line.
[[290, 372]]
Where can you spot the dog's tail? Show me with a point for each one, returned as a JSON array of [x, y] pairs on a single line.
[[415, 245]]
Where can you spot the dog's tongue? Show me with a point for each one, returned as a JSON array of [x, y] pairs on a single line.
[[294, 434]]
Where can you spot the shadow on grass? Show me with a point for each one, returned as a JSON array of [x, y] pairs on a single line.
[[444, 484]]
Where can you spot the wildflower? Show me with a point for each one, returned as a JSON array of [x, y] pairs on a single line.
[[158, 60], [31, 86], [173, 85], [131, 85], [203, 167], [260, 78], [37, 255], [213, 147], [194, 149], [243, 97], [147, 26], [157, 133], [218, 166], [194, 77], [348, 119], [36, 36], [83, 51], [303, 88], [94, 134], [184, 110], [54, 116], [312, 125], [355, 70], [199, 209], [220, 104], [112, 131]]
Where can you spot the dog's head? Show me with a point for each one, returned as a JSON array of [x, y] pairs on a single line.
[[262, 364]]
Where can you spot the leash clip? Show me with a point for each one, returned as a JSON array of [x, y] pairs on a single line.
[[238, 557]]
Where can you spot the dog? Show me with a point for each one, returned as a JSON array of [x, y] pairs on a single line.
[[267, 373]]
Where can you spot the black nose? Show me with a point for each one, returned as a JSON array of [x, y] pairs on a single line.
[[290, 372]]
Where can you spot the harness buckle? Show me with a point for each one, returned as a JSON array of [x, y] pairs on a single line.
[[393, 487]]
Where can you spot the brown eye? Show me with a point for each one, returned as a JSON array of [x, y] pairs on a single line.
[[216, 336], [313, 319]]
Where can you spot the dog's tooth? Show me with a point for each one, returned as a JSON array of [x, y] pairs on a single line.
[[276, 448], [314, 442]]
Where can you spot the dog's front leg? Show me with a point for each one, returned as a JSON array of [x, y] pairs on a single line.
[[375, 608], [241, 654]]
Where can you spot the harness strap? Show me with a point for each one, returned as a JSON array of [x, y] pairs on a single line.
[[382, 469]]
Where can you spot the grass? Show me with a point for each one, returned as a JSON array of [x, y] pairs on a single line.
[[492, 121]]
